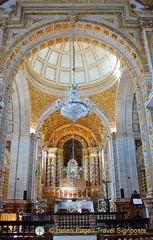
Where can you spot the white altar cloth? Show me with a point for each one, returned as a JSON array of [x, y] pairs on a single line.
[[75, 204]]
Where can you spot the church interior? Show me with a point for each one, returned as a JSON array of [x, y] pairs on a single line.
[[76, 100]]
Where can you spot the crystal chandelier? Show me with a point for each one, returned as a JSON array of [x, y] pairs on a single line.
[[75, 107]]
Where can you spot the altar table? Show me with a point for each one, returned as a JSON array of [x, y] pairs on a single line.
[[75, 204]]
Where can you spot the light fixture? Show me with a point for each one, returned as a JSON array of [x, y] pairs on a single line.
[[75, 107]]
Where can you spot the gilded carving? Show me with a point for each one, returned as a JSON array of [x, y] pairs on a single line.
[[134, 56], [28, 55], [150, 130], [42, 45], [138, 63], [66, 39], [34, 50], [50, 42], [31, 37], [3, 89], [37, 20], [144, 148], [79, 39], [128, 48], [103, 45], [65, 25], [17, 49], [49, 29], [97, 28], [145, 97], [40, 32], [58, 26], [88, 26], [114, 36], [123, 61], [17, 68], [133, 75], [87, 40], [8, 64], [59, 40], [80, 25], [95, 42], [122, 41], [145, 23], [149, 85], [118, 54], [144, 87], [12, 56], [106, 32], [24, 42], [149, 183], [149, 119], [111, 49], [143, 137], [139, 107], [129, 67]]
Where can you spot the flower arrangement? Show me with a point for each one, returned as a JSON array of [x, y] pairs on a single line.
[[57, 201], [75, 208], [102, 206], [41, 208]]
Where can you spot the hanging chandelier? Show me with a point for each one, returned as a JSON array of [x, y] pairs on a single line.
[[75, 107]]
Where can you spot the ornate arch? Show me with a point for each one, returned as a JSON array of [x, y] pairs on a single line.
[[52, 33], [79, 132]]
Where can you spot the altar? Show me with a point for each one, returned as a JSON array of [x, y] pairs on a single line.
[[74, 206]]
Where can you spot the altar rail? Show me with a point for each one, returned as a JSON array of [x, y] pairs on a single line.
[[57, 221], [50, 216]]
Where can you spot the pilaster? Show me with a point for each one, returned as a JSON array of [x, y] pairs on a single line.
[[128, 178], [146, 127], [22, 166]]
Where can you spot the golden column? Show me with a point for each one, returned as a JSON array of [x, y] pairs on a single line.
[[94, 166], [51, 167]]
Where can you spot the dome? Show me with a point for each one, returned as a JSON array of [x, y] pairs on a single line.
[[93, 64]]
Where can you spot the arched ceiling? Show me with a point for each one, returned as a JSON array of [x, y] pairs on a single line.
[[93, 128]]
